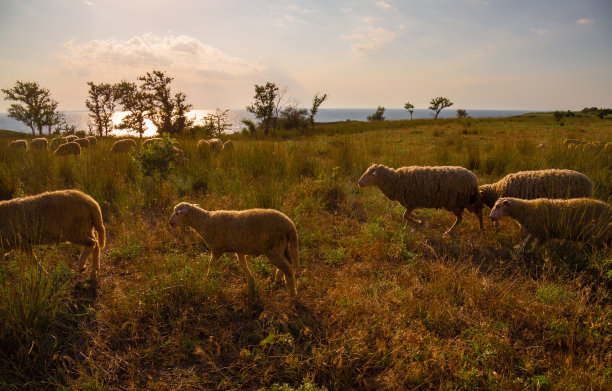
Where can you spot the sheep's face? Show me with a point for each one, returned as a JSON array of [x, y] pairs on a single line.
[[500, 209], [178, 217], [370, 177]]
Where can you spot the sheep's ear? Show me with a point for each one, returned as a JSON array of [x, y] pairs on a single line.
[[506, 202], [375, 172], [198, 205], [181, 212]]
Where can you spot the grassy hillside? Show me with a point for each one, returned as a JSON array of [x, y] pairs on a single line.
[[378, 307]]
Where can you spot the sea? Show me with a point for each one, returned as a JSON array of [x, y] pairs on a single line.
[[235, 116]]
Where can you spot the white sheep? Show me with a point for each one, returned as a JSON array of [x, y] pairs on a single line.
[[50, 218], [123, 146], [247, 232], [581, 219], [39, 144], [228, 146], [83, 142], [150, 141], [69, 148], [92, 140], [17, 145], [450, 187], [56, 142], [216, 145], [71, 137]]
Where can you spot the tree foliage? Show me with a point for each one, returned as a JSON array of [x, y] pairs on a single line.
[[265, 103], [461, 113], [438, 104], [316, 102], [133, 100], [34, 106], [217, 123], [410, 107], [378, 115], [101, 103]]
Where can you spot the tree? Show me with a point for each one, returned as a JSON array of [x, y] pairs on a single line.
[[316, 102], [134, 101], [166, 111], [101, 104], [35, 108], [292, 117], [378, 115], [462, 113], [51, 117], [439, 103], [156, 160], [265, 104], [410, 107], [217, 123]]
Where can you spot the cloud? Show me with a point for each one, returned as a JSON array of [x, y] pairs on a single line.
[[89, 3], [585, 21], [383, 4], [369, 39], [180, 54]]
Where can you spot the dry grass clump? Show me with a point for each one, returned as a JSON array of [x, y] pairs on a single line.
[[379, 307]]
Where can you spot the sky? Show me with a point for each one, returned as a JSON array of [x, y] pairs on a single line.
[[512, 54]]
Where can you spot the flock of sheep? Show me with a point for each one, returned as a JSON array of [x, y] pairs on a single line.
[[547, 203]]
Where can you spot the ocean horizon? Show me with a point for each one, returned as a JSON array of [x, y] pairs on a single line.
[[79, 118]]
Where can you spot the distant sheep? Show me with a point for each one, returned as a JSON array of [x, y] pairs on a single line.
[[83, 142], [150, 141], [608, 147], [228, 146], [56, 142], [204, 147], [17, 145], [92, 140], [248, 232], [216, 145], [70, 148], [123, 146], [449, 187], [580, 219], [71, 137], [572, 141], [39, 144], [51, 218], [552, 183]]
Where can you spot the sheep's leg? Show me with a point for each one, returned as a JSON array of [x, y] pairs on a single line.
[[457, 221], [283, 264], [410, 219], [95, 262], [478, 213], [214, 260], [85, 253], [528, 240], [246, 271], [279, 275]]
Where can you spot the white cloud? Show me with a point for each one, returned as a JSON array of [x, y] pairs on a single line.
[[383, 4], [585, 21], [369, 39], [180, 54], [89, 3]]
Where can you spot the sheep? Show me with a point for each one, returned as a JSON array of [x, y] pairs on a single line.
[[39, 144], [150, 141], [551, 183], [122, 146], [51, 218], [204, 148], [92, 140], [572, 141], [216, 145], [580, 219], [56, 142], [450, 187], [83, 142], [247, 232], [71, 137], [228, 146], [16, 145], [70, 148], [608, 147]]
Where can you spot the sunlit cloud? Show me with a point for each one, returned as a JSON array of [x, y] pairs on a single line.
[[369, 39], [175, 54], [585, 21], [383, 4], [89, 3]]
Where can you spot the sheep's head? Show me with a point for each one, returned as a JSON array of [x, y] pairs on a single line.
[[487, 195], [181, 212], [370, 177], [500, 209]]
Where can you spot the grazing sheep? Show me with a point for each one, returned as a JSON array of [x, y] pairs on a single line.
[[150, 141], [71, 137], [39, 144], [16, 145], [123, 146], [83, 142], [204, 148], [449, 187], [248, 232], [608, 147], [581, 219], [552, 183], [70, 148], [228, 146], [50, 218], [572, 141], [216, 145], [56, 142], [92, 140]]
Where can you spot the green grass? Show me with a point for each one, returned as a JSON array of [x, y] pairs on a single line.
[[378, 306]]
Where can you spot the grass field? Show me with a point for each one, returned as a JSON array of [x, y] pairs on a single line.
[[379, 306]]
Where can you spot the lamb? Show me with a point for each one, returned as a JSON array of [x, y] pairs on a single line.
[[56, 142], [16, 145], [228, 146], [92, 140], [70, 148], [581, 219], [71, 137], [50, 218], [552, 183], [450, 187], [83, 142], [248, 232], [122, 146], [39, 144]]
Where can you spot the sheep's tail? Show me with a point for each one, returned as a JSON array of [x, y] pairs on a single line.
[[293, 247], [96, 214]]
